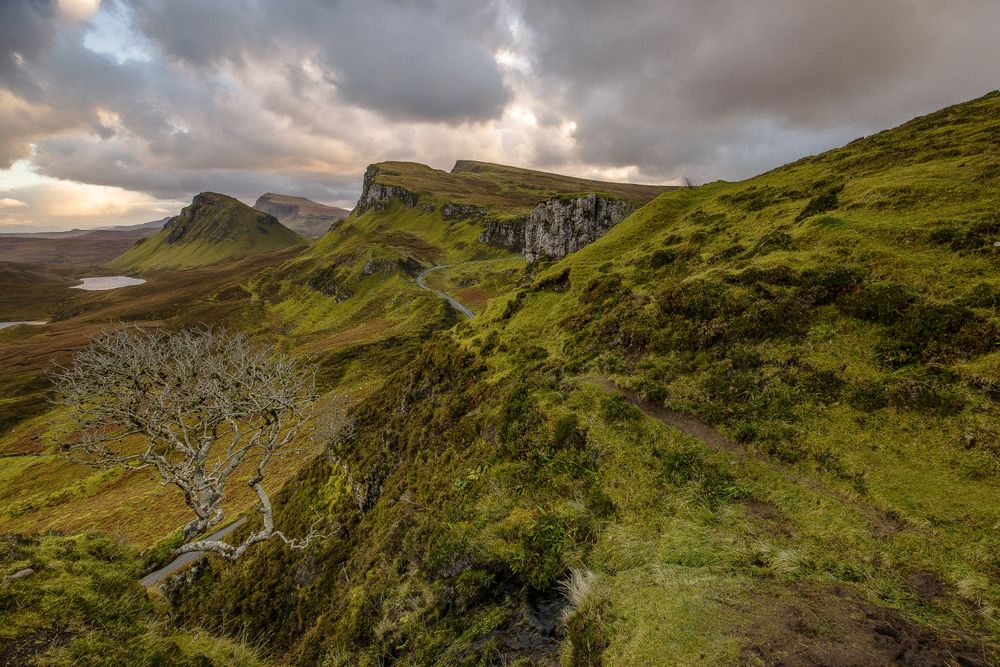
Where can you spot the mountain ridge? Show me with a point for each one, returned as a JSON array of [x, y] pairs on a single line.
[[213, 228]]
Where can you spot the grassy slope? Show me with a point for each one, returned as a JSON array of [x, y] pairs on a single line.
[[286, 301], [355, 285], [218, 228], [296, 301], [500, 189], [835, 318], [84, 606]]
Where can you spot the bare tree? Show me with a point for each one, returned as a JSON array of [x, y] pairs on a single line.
[[196, 406]]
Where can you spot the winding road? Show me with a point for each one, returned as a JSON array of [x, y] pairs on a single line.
[[154, 578], [455, 303]]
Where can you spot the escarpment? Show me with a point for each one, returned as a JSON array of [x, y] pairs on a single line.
[[377, 196], [558, 226]]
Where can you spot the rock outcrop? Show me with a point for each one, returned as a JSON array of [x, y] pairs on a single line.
[[451, 211], [558, 226], [379, 196]]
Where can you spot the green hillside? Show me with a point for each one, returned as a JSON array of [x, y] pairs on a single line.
[[214, 228], [499, 189], [355, 287], [755, 423]]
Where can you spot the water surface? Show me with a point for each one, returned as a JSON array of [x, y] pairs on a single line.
[[34, 323], [107, 282]]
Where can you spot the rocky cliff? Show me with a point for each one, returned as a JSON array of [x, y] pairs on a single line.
[[558, 226], [379, 196]]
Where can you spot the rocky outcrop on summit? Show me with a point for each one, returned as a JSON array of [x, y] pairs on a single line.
[[378, 196], [558, 226]]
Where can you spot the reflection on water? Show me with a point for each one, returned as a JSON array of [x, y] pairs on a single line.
[[34, 323], [107, 282]]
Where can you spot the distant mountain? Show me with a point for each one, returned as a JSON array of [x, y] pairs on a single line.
[[76, 247], [214, 228], [301, 215], [135, 231]]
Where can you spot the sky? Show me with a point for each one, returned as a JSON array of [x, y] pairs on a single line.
[[119, 111]]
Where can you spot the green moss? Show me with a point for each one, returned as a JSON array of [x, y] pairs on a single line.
[[83, 605]]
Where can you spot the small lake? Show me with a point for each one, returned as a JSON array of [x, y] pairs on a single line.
[[107, 282], [34, 323]]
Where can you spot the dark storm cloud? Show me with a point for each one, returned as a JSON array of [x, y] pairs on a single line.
[[677, 85], [409, 61], [26, 27]]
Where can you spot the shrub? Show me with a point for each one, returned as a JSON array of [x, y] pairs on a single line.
[[684, 467], [771, 241], [616, 409], [930, 331], [924, 389], [828, 200], [881, 302], [983, 295]]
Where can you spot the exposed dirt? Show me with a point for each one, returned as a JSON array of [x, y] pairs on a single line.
[[927, 585], [883, 524], [534, 634], [685, 423], [832, 626], [24, 650]]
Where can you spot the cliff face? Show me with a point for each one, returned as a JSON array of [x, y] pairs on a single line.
[[558, 226], [378, 196]]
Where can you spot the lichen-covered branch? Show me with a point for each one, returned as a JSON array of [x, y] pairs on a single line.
[[198, 407]]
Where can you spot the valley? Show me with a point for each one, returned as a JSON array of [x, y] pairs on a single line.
[[746, 422]]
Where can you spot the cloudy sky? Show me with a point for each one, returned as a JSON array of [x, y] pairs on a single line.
[[118, 111]]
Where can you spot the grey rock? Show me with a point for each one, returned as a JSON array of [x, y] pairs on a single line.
[[505, 234], [378, 197], [461, 211], [21, 574], [558, 226]]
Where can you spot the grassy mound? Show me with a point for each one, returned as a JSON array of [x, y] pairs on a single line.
[[214, 228]]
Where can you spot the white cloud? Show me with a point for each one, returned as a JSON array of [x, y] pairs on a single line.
[[7, 202]]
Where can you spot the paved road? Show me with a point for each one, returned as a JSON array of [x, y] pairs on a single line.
[[154, 578], [455, 303]]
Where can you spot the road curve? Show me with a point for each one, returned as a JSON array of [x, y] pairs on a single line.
[[455, 303], [154, 578]]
